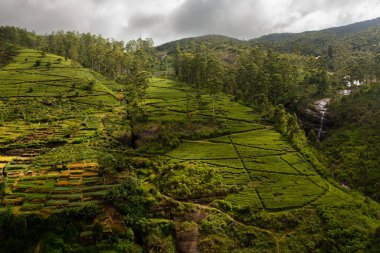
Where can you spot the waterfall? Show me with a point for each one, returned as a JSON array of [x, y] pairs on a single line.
[[321, 126], [321, 107]]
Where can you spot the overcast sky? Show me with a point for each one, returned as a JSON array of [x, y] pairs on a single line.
[[166, 20]]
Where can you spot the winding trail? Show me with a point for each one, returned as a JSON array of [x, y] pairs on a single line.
[[277, 237]]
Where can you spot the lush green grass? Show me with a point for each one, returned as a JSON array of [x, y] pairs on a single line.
[[267, 139], [63, 79], [229, 163], [246, 151], [168, 97], [204, 150], [67, 153], [270, 164], [284, 191], [245, 198]]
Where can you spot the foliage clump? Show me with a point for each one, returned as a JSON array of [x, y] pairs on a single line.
[[131, 200], [191, 181]]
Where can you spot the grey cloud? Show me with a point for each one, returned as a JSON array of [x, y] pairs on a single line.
[[166, 20], [225, 17]]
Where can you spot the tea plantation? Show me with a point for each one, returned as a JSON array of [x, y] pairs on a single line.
[[207, 175]]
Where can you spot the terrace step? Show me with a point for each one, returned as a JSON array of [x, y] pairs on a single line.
[[26, 161], [66, 191], [14, 201], [37, 200], [31, 155]]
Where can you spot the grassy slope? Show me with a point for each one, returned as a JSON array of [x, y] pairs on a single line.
[[278, 201], [272, 178], [43, 107]]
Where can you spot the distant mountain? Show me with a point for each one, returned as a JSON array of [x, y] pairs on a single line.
[[338, 31], [360, 35], [215, 41]]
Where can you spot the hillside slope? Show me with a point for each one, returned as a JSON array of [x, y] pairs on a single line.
[[217, 41], [255, 179], [206, 174], [51, 109], [361, 35], [353, 144]]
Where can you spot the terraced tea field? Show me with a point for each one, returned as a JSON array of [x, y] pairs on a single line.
[[269, 172], [48, 189], [50, 119]]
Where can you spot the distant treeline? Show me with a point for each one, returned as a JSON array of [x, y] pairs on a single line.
[[254, 73], [256, 76], [108, 57]]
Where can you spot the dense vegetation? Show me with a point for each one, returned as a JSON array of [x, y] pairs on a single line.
[[357, 36], [111, 58], [215, 161], [6, 53], [258, 77], [353, 145]]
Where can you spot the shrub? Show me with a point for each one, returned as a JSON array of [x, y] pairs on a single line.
[[131, 200], [191, 180], [111, 162]]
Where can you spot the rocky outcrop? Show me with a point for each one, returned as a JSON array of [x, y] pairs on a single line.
[[187, 239], [316, 117]]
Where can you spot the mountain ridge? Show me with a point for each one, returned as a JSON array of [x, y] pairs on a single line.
[[339, 30], [333, 32]]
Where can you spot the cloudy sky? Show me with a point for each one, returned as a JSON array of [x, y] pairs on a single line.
[[165, 20]]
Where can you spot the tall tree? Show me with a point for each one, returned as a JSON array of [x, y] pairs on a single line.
[[134, 95]]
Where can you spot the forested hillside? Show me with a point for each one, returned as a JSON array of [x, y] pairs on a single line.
[[214, 41], [353, 145], [109, 57], [358, 36]]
